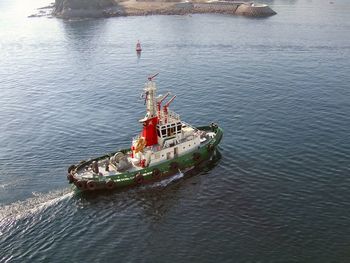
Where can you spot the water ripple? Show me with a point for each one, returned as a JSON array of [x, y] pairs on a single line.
[[277, 86]]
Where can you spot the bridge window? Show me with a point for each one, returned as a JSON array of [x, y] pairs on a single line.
[[171, 131], [178, 128], [163, 132]]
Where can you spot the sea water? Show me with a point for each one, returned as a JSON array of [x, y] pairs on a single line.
[[278, 86]]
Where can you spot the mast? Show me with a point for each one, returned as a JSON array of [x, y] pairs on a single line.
[[150, 121]]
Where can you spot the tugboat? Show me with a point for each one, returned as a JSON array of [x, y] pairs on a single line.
[[138, 46], [165, 146]]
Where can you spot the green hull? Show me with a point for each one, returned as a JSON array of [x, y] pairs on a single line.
[[149, 174]]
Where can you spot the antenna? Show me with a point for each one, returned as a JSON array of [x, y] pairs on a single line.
[[152, 77], [163, 98], [159, 103], [170, 101], [165, 108]]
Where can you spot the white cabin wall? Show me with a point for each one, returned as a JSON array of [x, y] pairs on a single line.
[[182, 148]]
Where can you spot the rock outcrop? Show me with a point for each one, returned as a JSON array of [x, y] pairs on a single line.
[[255, 10], [86, 8], [70, 9]]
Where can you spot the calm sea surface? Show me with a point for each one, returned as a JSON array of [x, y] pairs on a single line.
[[279, 87]]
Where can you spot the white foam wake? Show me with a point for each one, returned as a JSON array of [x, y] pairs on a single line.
[[33, 205], [170, 179]]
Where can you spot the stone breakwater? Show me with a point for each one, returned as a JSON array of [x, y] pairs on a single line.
[[69, 9]]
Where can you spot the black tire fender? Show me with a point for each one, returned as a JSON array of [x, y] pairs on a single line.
[[70, 178], [210, 147], [71, 168], [174, 166], [139, 178], [80, 184], [156, 173], [196, 157], [91, 185], [110, 184]]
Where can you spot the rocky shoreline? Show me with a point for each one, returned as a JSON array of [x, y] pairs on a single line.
[[77, 9]]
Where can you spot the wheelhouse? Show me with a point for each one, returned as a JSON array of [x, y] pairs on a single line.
[[169, 129]]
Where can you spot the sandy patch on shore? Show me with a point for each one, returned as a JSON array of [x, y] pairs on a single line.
[[133, 7]]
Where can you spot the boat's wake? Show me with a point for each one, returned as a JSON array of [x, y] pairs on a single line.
[[169, 180], [11, 213]]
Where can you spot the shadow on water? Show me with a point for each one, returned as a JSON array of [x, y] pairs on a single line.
[[138, 54], [84, 32]]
